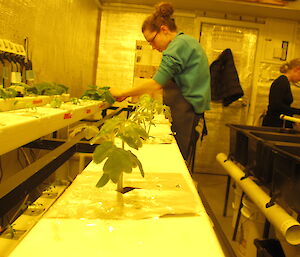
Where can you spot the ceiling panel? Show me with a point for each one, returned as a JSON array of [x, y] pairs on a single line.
[[241, 7]]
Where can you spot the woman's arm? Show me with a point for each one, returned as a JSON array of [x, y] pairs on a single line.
[[147, 87]]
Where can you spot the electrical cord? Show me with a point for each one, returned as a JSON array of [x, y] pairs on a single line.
[[19, 159], [28, 162], [32, 154]]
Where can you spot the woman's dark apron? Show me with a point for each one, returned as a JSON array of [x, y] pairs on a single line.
[[184, 122]]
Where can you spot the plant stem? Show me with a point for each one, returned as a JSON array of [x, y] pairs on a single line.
[[120, 183]]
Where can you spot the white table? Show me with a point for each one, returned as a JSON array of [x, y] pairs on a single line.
[[163, 218]]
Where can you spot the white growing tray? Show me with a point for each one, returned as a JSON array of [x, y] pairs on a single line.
[[22, 126]]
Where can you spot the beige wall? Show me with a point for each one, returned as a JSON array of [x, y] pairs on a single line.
[[120, 29], [62, 38], [63, 45]]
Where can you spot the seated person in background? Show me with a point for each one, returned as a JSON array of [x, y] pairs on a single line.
[[281, 97]]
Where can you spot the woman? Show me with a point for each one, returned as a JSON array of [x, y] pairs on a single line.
[[280, 97], [183, 75]]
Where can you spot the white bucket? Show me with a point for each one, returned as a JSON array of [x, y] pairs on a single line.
[[251, 226]]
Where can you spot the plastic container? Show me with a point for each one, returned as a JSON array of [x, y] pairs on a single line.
[[239, 137], [250, 228], [286, 175], [268, 248]]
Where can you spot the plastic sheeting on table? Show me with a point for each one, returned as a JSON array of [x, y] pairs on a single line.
[[156, 195]]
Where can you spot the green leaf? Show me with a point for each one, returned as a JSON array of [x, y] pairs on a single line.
[[132, 134], [51, 88], [74, 101], [62, 88], [3, 93], [97, 93], [103, 180], [107, 97], [136, 162], [112, 125], [133, 142], [102, 151], [94, 87], [118, 161], [139, 130], [113, 168], [11, 93]]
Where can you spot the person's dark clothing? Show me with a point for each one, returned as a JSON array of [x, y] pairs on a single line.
[[225, 83], [280, 100], [184, 122]]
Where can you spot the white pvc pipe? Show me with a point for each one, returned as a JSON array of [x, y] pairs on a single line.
[[276, 215], [285, 117]]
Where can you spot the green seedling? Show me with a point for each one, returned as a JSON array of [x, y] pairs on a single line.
[[56, 102], [7, 93], [98, 93], [31, 107], [118, 160], [75, 101], [132, 132], [145, 111]]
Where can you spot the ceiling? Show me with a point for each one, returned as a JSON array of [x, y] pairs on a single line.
[[241, 7]]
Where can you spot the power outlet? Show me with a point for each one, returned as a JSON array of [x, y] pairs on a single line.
[[10, 47]]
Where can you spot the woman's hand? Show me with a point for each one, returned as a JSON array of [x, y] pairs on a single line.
[[118, 94]]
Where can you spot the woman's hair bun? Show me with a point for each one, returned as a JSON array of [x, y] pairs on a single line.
[[164, 9], [284, 68]]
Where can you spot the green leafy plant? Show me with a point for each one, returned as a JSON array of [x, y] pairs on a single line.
[[131, 133], [7, 93], [45, 88], [11, 230], [75, 101], [31, 107], [118, 160], [145, 111], [98, 93], [56, 102]]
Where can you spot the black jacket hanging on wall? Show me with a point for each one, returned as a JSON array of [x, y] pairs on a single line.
[[225, 83]]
